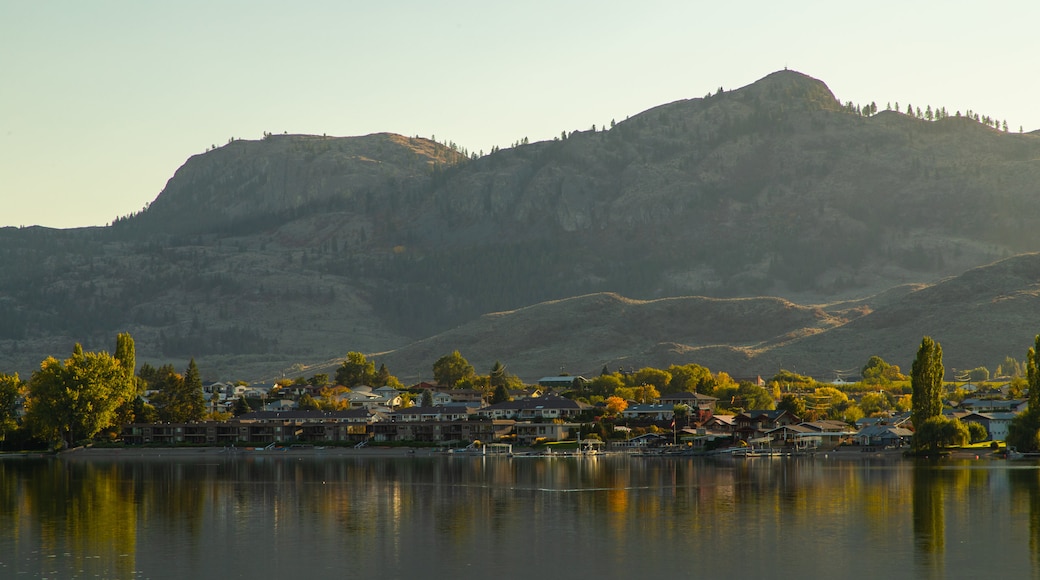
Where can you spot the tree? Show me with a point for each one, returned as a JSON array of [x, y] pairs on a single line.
[[650, 376], [978, 374], [10, 387], [615, 405], [688, 378], [645, 394], [196, 404], [79, 397], [307, 403], [242, 406], [1024, 431], [873, 371], [793, 404], [755, 397], [179, 397], [452, 368], [499, 376], [977, 432], [427, 398], [605, 384], [877, 371], [937, 432], [926, 382], [500, 395], [318, 380], [382, 377], [872, 403], [355, 370]]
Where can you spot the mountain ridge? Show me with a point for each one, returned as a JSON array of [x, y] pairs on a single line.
[[267, 255]]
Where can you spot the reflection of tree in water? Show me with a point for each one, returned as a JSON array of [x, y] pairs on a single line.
[[84, 512], [929, 518], [1027, 481]]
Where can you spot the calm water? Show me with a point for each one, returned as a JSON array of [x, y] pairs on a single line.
[[460, 517]]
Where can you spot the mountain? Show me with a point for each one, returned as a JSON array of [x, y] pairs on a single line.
[[979, 318], [271, 256]]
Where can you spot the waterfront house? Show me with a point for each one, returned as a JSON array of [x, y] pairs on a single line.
[[528, 433], [883, 436], [995, 405], [434, 413], [642, 441], [695, 401], [649, 412], [441, 431], [996, 424], [562, 382], [754, 424], [721, 424], [548, 407]]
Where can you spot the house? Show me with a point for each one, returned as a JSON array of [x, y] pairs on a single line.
[[563, 382], [280, 405], [721, 424], [435, 413], [789, 433], [528, 433], [526, 393], [441, 431], [465, 396], [438, 397], [695, 401], [996, 424], [649, 412], [261, 427], [754, 424], [642, 441], [547, 407], [883, 436], [995, 405]]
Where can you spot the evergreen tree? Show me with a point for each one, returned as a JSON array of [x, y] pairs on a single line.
[[427, 398], [501, 395], [196, 403], [382, 377], [926, 382], [242, 406]]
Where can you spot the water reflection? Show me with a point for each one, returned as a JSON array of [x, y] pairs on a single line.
[[263, 516]]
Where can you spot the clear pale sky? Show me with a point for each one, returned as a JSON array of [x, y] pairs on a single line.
[[101, 101]]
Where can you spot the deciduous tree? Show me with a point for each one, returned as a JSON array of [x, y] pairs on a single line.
[[10, 388], [452, 368], [356, 370], [79, 397], [926, 382], [615, 405]]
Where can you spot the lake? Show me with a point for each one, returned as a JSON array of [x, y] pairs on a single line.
[[216, 515]]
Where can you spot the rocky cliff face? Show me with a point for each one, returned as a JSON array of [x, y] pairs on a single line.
[[300, 248]]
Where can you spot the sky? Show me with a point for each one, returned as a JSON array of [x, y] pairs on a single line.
[[102, 101]]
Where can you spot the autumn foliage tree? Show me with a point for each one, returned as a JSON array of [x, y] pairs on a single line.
[[76, 398], [615, 405]]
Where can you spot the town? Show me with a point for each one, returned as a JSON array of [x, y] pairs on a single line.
[[97, 399]]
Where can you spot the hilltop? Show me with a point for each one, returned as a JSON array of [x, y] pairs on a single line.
[[269, 256]]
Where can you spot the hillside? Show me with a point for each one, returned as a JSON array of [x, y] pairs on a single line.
[[979, 318], [292, 250]]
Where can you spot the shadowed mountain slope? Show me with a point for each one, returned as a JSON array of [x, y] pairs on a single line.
[[262, 255]]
